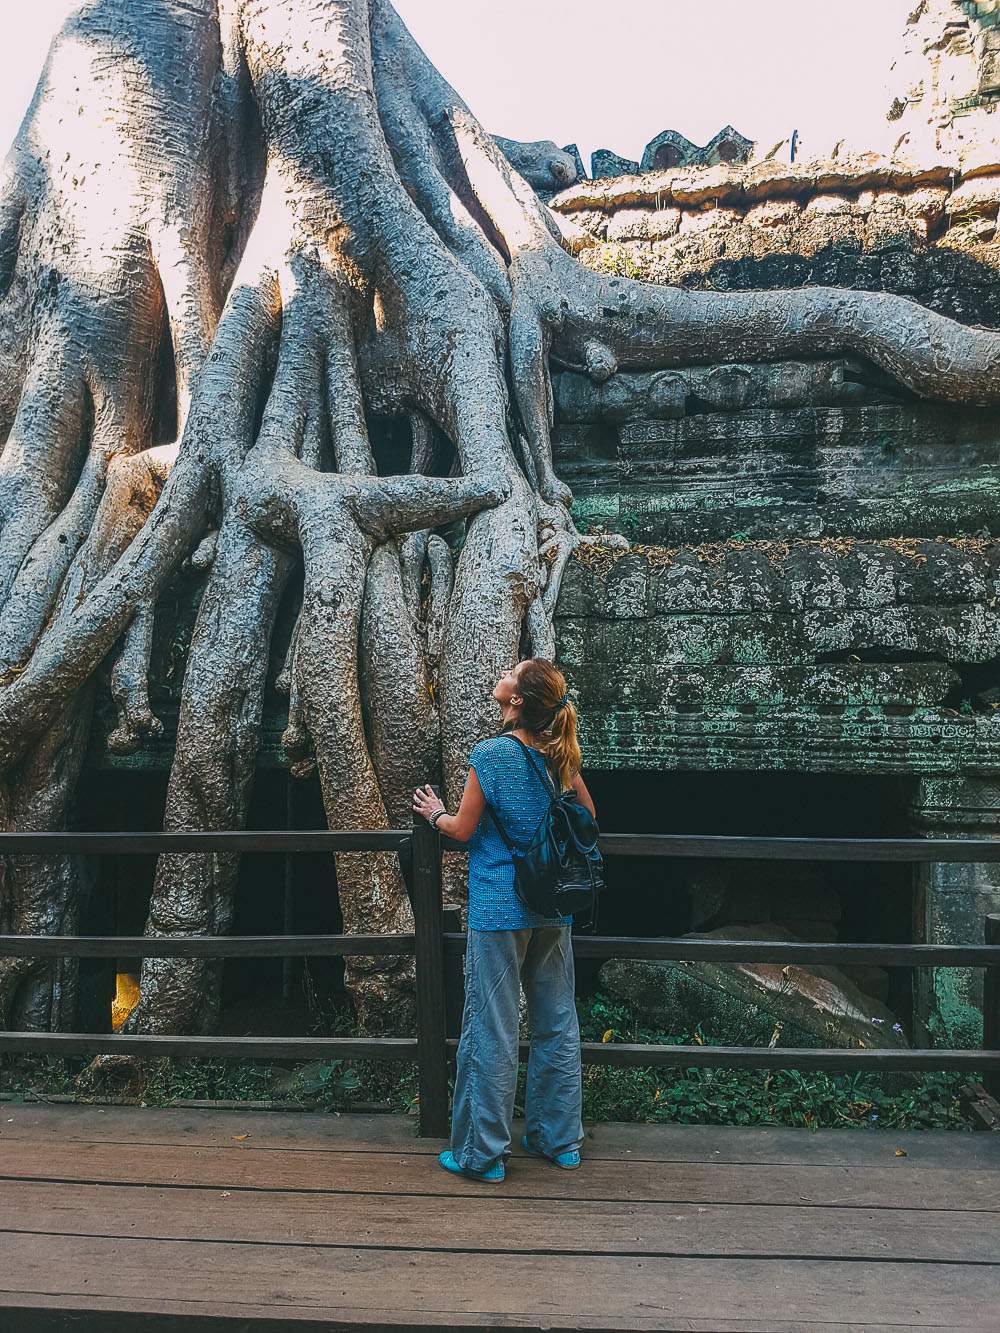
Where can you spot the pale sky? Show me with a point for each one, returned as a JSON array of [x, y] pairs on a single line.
[[612, 75]]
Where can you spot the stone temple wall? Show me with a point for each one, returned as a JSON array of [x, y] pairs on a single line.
[[809, 539], [813, 580], [869, 223]]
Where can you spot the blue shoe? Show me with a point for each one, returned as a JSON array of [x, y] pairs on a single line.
[[566, 1161], [493, 1174]]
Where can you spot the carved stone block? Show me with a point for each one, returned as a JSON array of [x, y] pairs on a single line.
[[605, 163]]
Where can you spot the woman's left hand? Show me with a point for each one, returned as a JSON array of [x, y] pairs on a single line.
[[425, 802]]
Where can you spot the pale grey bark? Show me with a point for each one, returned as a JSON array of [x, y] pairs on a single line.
[[295, 222]]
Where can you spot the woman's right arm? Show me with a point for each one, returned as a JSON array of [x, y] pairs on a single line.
[[583, 795]]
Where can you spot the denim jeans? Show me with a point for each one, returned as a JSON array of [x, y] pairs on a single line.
[[497, 964]]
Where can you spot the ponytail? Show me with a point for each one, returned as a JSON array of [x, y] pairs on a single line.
[[562, 751]]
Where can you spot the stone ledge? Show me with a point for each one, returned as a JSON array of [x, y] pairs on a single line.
[[756, 182], [662, 225], [932, 743]]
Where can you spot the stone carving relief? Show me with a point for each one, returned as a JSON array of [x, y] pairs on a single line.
[[604, 163], [670, 150]]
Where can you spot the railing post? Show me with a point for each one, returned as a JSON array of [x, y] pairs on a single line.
[[991, 1007], [428, 929], [454, 976]]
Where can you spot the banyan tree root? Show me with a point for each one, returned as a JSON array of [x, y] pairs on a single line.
[[231, 234]]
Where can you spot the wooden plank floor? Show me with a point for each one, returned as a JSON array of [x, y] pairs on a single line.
[[115, 1218]]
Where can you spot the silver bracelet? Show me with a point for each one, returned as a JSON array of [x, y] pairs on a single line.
[[432, 819]]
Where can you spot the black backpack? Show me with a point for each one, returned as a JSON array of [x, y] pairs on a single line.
[[560, 872]]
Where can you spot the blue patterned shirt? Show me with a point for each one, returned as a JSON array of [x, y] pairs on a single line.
[[519, 800]]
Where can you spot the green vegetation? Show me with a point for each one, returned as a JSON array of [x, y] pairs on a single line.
[[160, 1082], [968, 231], [656, 1096], [329, 1086], [754, 1097], [618, 260]]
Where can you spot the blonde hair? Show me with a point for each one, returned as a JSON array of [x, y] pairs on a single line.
[[547, 711]]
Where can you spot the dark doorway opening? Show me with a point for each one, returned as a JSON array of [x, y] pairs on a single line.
[[275, 894], [820, 901]]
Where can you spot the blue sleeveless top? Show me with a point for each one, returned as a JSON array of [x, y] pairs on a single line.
[[519, 800]]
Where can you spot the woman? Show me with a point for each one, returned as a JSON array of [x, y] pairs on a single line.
[[510, 946]]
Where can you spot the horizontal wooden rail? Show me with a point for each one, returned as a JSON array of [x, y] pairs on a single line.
[[248, 1048], [612, 844], [656, 948], [684, 949], [229, 840], [801, 849], [596, 1053], [204, 946], [787, 1057]]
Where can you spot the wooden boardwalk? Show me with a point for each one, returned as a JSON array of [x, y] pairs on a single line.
[[114, 1219]]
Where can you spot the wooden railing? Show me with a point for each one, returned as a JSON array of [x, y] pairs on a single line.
[[437, 952]]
